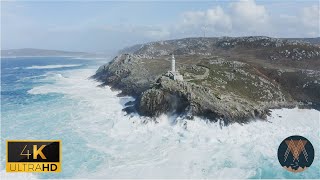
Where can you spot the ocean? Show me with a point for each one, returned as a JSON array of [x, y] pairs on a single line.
[[54, 98]]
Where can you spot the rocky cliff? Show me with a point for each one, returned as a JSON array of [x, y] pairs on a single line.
[[231, 79]]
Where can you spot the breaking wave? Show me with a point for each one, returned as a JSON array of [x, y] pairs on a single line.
[[127, 147], [54, 66]]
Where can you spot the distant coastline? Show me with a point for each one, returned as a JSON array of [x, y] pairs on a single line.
[[31, 52], [95, 57]]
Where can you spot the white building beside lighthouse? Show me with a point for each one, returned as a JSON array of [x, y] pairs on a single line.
[[173, 74]]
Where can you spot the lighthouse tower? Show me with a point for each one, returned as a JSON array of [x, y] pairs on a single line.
[[173, 63], [173, 74]]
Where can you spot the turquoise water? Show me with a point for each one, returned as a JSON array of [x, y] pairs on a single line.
[[42, 116], [52, 98]]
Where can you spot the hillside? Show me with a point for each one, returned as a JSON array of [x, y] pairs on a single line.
[[232, 79], [314, 41]]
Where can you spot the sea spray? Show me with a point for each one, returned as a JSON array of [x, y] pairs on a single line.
[[124, 146]]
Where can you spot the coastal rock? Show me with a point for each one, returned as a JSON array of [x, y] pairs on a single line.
[[124, 73], [235, 84], [154, 102], [170, 96]]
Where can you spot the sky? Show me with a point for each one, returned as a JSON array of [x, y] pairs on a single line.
[[108, 26]]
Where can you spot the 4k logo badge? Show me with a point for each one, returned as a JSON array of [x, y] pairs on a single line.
[[33, 156], [296, 153]]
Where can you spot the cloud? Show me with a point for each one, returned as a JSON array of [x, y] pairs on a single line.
[[214, 18], [241, 16], [155, 32], [26, 25], [158, 33], [218, 18], [193, 17], [246, 17], [310, 16], [305, 23]]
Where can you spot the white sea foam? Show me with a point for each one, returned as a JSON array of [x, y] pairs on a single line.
[[133, 149], [15, 176], [54, 66], [92, 58], [14, 68]]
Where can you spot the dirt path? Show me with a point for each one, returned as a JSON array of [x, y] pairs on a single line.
[[199, 77], [203, 76]]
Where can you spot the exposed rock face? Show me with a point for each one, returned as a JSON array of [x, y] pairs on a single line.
[[124, 72], [221, 86], [169, 96], [154, 102]]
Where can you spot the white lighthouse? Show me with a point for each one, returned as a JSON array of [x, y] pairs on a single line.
[[173, 64], [173, 74]]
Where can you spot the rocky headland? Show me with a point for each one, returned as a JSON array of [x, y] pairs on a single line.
[[228, 79]]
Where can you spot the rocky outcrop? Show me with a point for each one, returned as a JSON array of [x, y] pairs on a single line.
[[217, 87], [154, 102], [124, 73], [188, 99]]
